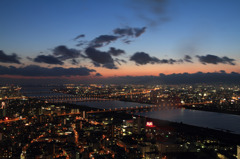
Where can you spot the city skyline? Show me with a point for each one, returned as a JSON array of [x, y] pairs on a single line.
[[86, 40]]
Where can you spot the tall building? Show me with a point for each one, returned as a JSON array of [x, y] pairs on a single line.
[[127, 127], [84, 114], [3, 109], [0, 136], [139, 124], [238, 151]]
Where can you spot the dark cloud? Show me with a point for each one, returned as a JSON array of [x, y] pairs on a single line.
[[9, 58], [82, 43], [115, 52], [49, 59], [213, 59], [154, 12], [99, 41], [180, 78], [133, 32], [59, 54], [96, 64], [102, 40], [110, 66], [74, 62], [119, 61], [124, 31], [126, 41], [222, 71], [188, 58], [143, 58], [119, 33], [100, 58], [98, 74], [79, 36], [179, 61], [139, 31], [33, 70], [199, 77], [169, 61], [64, 53], [29, 58]]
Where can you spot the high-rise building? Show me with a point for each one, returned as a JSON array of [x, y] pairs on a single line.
[[3, 109], [238, 151], [139, 124], [0, 136]]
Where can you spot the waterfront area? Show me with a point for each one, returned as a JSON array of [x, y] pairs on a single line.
[[80, 130], [126, 95]]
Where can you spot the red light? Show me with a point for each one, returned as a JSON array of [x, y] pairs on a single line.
[[150, 124], [6, 118]]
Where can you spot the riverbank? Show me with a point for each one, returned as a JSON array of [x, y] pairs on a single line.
[[205, 108], [198, 132], [191, 130], [208, 109]]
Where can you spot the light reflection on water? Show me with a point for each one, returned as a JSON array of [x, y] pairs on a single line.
[[205, 119], [212, 120]]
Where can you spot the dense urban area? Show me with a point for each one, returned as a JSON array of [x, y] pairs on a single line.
[[57, 126]]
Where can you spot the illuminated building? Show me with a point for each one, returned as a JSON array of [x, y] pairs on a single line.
[[127, 127], [238, 152], [139, 125]]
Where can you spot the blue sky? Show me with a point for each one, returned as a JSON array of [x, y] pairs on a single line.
[[173, 29]]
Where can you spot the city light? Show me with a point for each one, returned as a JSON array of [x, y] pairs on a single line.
[[149, 124], [56, 127]]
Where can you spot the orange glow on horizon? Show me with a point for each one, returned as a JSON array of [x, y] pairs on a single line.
[[155, 70], [143, 70]]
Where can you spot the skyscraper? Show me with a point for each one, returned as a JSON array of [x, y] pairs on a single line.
[[238, 151]]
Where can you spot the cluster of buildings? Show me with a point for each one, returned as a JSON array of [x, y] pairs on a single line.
[[33, 128], [223, 98]]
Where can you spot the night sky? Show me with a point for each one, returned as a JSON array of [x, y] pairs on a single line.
[[99, 39]]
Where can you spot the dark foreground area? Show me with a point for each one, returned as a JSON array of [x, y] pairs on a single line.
[[48, 130]]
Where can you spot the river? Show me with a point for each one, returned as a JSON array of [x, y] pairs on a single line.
[[213, 120]]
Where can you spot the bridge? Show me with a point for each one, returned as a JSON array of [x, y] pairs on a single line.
[[38, 92], [72, 99], [69, 98], [111, 95], [138, 108]]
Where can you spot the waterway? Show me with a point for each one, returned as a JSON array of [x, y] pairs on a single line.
[[213, 120]]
